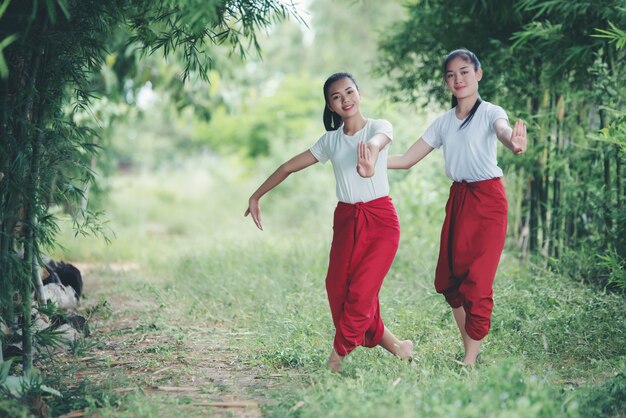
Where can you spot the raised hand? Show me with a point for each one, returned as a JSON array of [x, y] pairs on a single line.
[[365, 163], [254, 209], [518, 137]]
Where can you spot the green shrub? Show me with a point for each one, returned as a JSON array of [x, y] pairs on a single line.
[[607, 400]]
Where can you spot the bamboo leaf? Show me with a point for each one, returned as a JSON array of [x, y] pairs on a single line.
[[8, 41], [19, 386], [614, 35], [52, 13], [3, 7], [4, 69], [5, 366], [64, 8]]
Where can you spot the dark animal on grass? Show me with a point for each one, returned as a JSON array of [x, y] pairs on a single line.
[[65, 274], [63, 284]]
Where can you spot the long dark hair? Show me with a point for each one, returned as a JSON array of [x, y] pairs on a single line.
[[467, 56], [332, 121]]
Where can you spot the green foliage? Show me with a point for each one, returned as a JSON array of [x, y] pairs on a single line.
[[28, 386], [91, 396], [19, 394], [607, 400], [412, 51], [4, 69], [8, 40], [615, 267], [614, 34], [283, 113], [10, 408], [160, 136], [342, 41], [81, 346], [194, 25]]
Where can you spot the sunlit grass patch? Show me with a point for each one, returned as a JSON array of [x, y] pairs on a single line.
[[206, 284], [497, 391]]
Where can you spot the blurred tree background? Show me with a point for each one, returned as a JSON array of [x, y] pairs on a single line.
[[555, 64]]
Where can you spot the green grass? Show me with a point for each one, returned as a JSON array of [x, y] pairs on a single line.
[[557, 348]]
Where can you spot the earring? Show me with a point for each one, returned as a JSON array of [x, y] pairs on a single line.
[[332, 121]]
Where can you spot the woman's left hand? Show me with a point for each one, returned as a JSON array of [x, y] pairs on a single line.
[[254, 209]]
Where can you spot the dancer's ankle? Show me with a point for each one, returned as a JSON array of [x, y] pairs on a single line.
[[334, 362]]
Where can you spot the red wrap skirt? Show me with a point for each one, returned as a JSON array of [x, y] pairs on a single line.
[[365, 241], [472, 239]]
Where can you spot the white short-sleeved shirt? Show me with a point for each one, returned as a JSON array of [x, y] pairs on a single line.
[[470, 153], [341, 150]]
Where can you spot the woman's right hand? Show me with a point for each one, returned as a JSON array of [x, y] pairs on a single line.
[[365, 165], [254, 209], [518, 138]]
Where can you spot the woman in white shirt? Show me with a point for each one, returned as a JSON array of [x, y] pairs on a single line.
[[474, 230], [366, 231]]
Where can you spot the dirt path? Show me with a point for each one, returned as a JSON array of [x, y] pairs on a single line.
[[193, 368]]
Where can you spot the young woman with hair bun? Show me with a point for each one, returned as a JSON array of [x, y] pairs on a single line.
[[366, 231]]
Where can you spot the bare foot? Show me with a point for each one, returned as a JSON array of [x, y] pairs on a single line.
[[464, 367], [471, 359], [469, 362], [334, 362]]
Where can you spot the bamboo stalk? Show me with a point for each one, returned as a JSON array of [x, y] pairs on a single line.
[[5, 285], [30, 201], [545, 205], [606, 157], [556, 215], [35, 191], [621, 192], [32, 221], [535, 186]]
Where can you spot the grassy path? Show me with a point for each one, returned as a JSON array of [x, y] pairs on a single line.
[[205, 316], [144, 359]]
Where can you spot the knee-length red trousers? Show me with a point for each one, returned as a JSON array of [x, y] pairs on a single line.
[[365, 241], [472, 239]]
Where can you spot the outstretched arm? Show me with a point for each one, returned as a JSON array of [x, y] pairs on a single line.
[[367, 154], [412, 156], [297, 163], [514, 139]]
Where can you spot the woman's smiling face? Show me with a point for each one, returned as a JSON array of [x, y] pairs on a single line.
[[343, 98], [461, 77]]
